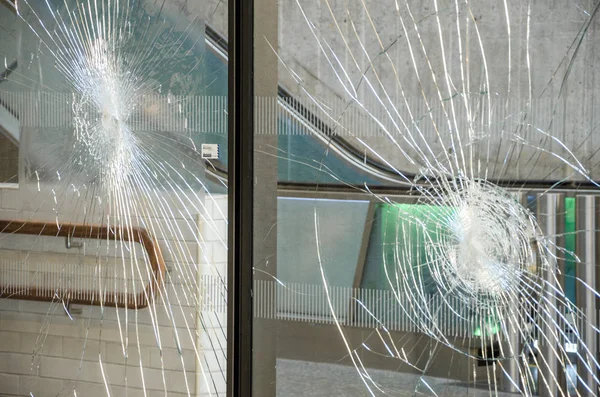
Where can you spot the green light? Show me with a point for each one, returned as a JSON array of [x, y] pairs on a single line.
[[492, 327]]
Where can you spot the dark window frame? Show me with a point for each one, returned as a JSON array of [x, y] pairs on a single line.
[[240, 197]]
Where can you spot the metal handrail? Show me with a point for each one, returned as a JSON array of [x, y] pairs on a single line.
[[69, 230]]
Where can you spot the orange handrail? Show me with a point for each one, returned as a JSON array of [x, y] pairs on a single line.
[[135, 234]]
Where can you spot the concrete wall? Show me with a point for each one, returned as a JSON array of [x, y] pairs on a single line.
[[531, 66], [45, 352], [539, 65]]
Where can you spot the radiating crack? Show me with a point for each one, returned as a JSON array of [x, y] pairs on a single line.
[[465, 103], [110, 111]]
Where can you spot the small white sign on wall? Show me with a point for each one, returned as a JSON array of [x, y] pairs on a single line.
[[210, 151], [571, 347]]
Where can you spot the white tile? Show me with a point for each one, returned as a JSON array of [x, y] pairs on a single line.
[[220, 208], [42, 202], [11, 199], [215, 360], [39, 386], [145, 334], [210, 386], [42, 344], [40, 307], [11, 305], [214, 339], [15, 363], [181, 252], [209, 204], [33, 323], [160, 393], [173, 360], [62, 368], [215, 231], [175, 296], [206, 252], [79, 348], [9, 384], [87, 389], [220, 382], [180, 381], [120, 375], [131, 392], [114, 353], [220, 254], [214, 320], [9, 214], [10, 341]]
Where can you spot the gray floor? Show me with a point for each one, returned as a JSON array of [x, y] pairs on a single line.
[[308, 379]]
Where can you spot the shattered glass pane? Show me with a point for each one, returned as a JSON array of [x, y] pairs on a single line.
[[113, 242], [467, 129]]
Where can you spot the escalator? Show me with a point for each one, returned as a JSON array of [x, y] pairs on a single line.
[[312, 153], [315, 140], [318, 158]]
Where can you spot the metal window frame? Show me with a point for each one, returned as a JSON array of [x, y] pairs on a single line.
[[240, 197]]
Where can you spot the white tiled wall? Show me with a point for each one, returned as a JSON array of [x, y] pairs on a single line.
[[213, 317], [45, 352]]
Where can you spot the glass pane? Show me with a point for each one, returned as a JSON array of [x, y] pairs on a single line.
[[113, 237], [425, 198]]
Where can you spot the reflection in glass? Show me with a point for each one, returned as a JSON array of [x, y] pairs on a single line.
[[468, 129], [113, 242]]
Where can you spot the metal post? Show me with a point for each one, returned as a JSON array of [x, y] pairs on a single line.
[[511, 381], [551, 220], [266, 158], [587, 224], [240, 198]]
